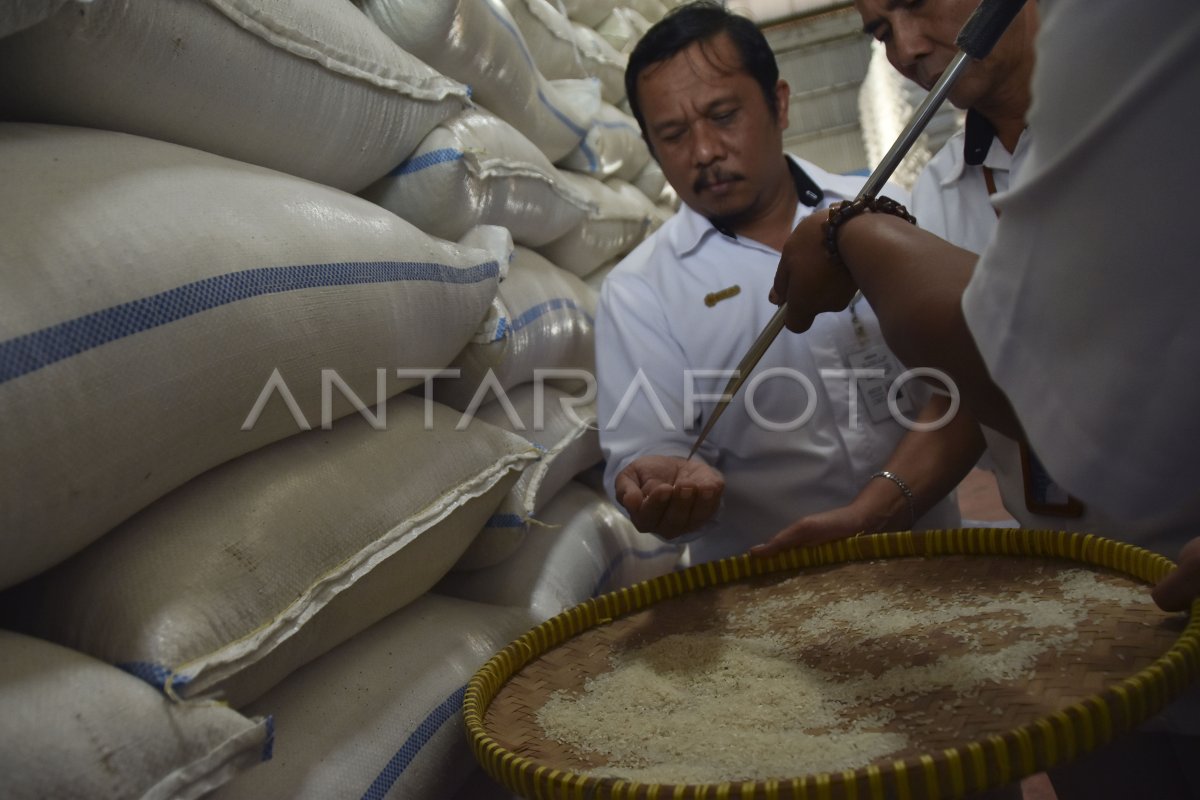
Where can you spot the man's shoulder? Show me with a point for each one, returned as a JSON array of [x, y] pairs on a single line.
[[947, 163], [651, 254]]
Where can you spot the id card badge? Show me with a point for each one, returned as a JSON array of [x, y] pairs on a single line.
[[874, 391], [1042, 494]]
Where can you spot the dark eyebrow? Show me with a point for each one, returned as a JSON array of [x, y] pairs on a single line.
[[869, 28], [662, 127], [727, 100]]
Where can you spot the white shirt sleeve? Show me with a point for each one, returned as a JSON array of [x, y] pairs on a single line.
[[927, 200], [1083, 305], [640, 398]]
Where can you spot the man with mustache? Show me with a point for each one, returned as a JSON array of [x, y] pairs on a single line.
[[953, 193], [807, 446]]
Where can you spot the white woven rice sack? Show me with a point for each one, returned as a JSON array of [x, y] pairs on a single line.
[[652, 183], [381, 716], [668, 197], [615, 226], [307, 87], [550, 37], [650, 180], [542, 318], [478, 43], [588, 12], [656, 215], [76, 728], [613, 147], [585, 546], [603, 61], [230, 583], [651, 10], [562, 426], [623, 28], [596, 279], [17, 15], [477, 169], [148, 295]]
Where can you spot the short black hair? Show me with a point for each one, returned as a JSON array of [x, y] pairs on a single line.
[[702, 21]]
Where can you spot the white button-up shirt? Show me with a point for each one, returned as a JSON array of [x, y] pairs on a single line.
[[653, 326], [951, 199]]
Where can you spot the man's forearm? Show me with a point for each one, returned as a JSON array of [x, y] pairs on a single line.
[[915, 282], [929, 463]]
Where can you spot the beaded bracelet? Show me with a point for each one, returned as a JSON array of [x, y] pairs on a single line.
[[844, 210]]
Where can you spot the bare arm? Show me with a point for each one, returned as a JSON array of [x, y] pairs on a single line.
[[914, 282], [931, 463]]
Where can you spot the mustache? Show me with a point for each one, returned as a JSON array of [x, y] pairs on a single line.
[[713, 175]]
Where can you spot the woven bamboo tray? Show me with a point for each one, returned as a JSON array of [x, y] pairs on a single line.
[[1126, 663]]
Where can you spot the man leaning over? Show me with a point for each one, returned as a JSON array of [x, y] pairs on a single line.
[[793, 451]]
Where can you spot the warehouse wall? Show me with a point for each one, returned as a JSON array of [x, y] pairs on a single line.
[[844, 114]]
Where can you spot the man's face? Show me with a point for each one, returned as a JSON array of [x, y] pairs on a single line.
[[919, 37], [710, 128]]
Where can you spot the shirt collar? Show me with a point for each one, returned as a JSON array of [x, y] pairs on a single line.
[[979, 136], [693, 227], [807, 190]]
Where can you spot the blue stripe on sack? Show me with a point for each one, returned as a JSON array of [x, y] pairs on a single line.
[[542, 309], [565, 120], [33, 351], [426, 160], [501, 329], [516, 35], [505, 521], [408, 751], [644, 555], [154, 674], [592, 160], [268, 748], [606, 124]]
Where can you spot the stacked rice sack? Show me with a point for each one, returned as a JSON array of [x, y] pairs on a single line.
[[478, 43], [76, 727], [623, 28], [381, 716], [491, 164], [613, 147], [474, 169], [551, 38], [306, 87], [614, 223], [529, 368], [241, 467], [582, 546], [153, 291]]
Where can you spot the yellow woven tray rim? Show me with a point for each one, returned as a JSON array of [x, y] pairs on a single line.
[[1022, 751]]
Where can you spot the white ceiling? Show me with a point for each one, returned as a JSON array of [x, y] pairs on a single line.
[[764, 11]]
